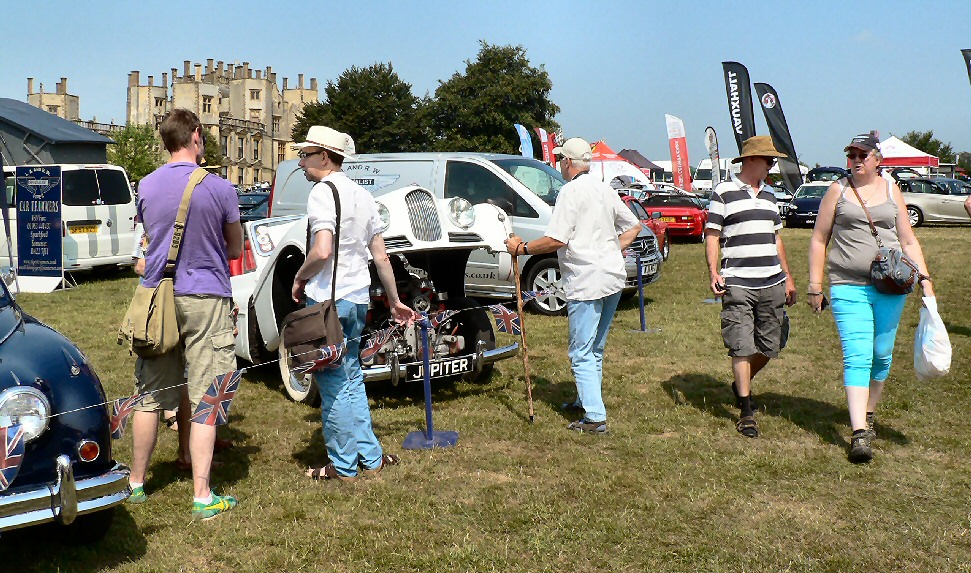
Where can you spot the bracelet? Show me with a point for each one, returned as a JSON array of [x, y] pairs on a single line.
[[925, 278], [526, 248], [814, 294]]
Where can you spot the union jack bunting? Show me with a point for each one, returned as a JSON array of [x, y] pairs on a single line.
[[320, 359], [439, 317], [11, 453], [121, 410], [377, 340], [213, 409], [506, 320], [529, 295]]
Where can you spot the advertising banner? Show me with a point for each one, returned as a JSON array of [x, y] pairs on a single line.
[[739, 92], [711, 143], [525, 143], [679, 152], [39, 242], [779, 130], [546, 144], [967, 61]]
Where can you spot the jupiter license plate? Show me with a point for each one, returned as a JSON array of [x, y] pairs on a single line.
[[79, 229], [452, 366]]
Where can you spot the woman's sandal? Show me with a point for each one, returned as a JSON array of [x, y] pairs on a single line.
[[328, 472], [747, 426], [386, 460]]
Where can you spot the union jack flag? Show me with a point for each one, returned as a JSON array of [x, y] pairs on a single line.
[[213, 409], [529, 295], [121, 410], [439, 317], [11, 453], [320, 359], [506, 320], [376, 342]]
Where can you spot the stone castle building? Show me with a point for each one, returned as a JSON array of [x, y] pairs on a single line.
[[244, 109], [58, 102]]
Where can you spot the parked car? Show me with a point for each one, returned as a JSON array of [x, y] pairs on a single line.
[[804, 207], [429, 241], [254, 206], [825, 174], [48, 387], [685, 215], [935, 200], [652, 221]]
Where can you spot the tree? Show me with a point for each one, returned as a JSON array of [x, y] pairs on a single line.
[[137, 149], [476, 110], [214, 155], [926, 142], [373, 105]]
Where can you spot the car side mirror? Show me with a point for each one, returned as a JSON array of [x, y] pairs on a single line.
[[502, 203], [656, 215]]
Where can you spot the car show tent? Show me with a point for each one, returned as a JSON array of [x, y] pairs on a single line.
[[606, 164], [896, 153]]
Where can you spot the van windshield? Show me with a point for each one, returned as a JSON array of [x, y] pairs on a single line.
[[539, 177]]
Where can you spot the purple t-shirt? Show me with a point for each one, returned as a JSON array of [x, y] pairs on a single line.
[[202, 267]]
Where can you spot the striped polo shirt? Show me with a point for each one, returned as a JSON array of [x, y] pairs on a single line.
[[748, 220]]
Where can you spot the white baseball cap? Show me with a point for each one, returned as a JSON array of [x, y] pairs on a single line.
[[574, 148]]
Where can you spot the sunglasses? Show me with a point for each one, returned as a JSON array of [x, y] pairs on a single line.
[[306, 154], [854, 156]]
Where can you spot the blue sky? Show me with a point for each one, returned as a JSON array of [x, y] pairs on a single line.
[[840, 68]]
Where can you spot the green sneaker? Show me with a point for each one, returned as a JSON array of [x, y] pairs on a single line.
[[137, 495], [219, 504]]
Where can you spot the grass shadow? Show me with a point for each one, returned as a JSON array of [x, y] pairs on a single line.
[[955, 329], [714, 397]]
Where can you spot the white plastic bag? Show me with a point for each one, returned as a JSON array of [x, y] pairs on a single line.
[[932, 348]]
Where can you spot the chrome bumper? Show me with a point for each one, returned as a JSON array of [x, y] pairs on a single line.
[[65, 499], [397, 372]]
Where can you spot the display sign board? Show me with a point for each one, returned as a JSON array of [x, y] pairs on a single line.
[[40, 262]]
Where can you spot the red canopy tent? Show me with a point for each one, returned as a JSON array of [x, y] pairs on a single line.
[[607, 164], [896, 153]]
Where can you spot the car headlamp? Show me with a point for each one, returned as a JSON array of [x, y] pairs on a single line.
[[461, 213], [385, 217], [27, 407]]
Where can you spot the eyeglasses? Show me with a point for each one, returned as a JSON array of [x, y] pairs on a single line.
[[306, 154], [855, 156]]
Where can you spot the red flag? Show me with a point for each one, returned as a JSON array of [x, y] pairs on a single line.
[[121, 409], [546, 143], [679, 152], [11, 453], [213, 409]]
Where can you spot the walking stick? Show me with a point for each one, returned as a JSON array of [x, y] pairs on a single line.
[[522, 336]]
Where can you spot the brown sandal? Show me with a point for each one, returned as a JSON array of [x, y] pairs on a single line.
[[747, 426], [328, 472], [386, 460]]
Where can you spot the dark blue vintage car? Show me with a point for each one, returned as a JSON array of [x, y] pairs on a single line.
[[802, 210], [48, 387]]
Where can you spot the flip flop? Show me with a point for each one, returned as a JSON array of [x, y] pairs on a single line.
[[328, 472], [386, 460]]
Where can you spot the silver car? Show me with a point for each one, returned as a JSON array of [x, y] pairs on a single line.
[[935, 200]]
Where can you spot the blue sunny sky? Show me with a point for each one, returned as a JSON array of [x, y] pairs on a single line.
[[840, 68]]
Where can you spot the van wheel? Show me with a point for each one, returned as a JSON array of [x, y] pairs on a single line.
[[299, 387], [915, 216], [666, 250], [474, 325], [545, 276]]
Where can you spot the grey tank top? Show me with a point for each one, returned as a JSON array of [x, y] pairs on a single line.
[[853, 246]]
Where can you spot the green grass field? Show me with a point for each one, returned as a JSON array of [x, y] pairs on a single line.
[[673, 487]]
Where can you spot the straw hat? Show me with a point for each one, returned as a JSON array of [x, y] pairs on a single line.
[[758, 146]]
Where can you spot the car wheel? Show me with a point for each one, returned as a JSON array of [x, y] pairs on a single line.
[[89, 528], [545, 276], [299, 387], [915, 216], [474, 325], [666, 250]]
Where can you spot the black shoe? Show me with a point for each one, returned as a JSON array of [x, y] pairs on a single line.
[[738, 399], [860, 450], [870, 423]]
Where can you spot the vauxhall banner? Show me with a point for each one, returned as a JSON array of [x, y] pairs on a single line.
[[779, 130], [679, 152], [739, 102], [525, 143], [40, 264], [967, 61], [711, 143], [546, 144]]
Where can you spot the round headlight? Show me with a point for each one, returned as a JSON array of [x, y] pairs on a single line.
[[385, 217], [461, 213], [27, 407]]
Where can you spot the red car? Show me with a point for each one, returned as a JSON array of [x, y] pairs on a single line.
[[655, 224], [685, 216]]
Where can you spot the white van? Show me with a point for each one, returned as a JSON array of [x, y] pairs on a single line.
[[97, 216], [524, 188], [701, 183]]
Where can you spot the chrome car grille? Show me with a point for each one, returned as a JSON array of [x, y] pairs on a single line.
[[423, 214], [646, 246], [464, 238], [397, 242]]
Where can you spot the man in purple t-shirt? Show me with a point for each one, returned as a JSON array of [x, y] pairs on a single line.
[[203, 301]]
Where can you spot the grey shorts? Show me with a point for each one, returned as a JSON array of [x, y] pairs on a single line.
[[753, 320]]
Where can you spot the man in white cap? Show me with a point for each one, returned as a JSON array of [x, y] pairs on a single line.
[[751, 275], [589, 229], [345, 415]]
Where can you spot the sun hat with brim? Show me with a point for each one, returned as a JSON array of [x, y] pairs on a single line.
[[758, 146], [329, 139], [864, 142], [574, 148]]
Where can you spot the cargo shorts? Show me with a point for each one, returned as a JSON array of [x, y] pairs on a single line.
[[754, 320]]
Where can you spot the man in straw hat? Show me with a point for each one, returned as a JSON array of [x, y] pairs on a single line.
[[752, 274], [589, 229], [345, 414]]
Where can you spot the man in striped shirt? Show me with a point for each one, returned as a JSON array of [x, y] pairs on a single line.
[[751, 275]]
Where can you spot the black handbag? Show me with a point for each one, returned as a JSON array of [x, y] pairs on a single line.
[[892, 271], [310, 335]]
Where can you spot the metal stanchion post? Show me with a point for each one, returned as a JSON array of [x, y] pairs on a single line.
[[429, 438], [640, 297]]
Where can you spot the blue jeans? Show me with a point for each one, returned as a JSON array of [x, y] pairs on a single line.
[[867, 322], [589, 324], [344, 411]]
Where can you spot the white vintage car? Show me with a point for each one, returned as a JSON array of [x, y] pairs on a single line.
[[429, 241]]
